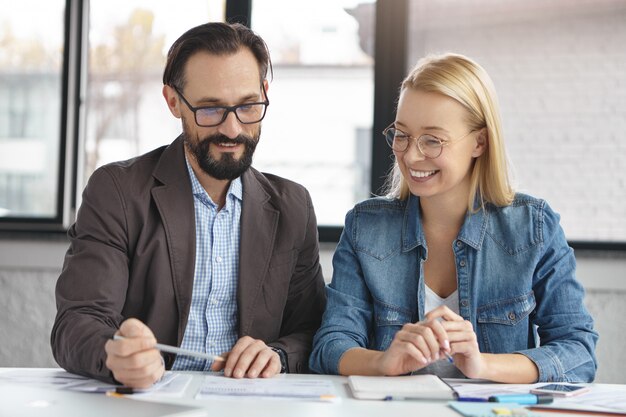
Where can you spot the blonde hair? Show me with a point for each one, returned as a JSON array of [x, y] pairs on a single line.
[[463, 80]]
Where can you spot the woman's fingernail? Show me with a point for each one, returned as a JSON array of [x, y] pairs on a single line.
[[446, 343]]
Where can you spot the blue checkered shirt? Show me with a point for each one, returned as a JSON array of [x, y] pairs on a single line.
[[213, 324]]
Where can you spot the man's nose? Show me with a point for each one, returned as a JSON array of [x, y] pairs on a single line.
[[231, 126]]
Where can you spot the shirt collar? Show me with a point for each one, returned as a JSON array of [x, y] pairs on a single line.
[[235, 189]]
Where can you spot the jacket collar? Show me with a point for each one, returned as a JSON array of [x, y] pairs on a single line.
[[472, 232], [174, 200], [259, 225]]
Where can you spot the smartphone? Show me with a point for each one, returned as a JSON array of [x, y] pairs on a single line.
[[560, 390]]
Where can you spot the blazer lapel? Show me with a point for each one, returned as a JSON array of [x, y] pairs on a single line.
[[259, 222], [174, 201]]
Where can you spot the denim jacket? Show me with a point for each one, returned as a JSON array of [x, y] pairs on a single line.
[[515, 277]]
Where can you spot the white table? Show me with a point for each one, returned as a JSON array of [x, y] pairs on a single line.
[[347, 406]]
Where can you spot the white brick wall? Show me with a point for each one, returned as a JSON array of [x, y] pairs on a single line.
[[560, 71]]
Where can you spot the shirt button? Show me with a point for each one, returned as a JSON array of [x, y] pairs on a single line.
[[459, 243], [214, 301], [464, 303], [218, 259], [512, 315], [462, 263]]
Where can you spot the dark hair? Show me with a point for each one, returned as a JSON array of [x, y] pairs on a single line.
[[214, 38]]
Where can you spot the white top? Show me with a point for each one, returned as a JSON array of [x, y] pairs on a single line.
[[432, 300], [441, 368]]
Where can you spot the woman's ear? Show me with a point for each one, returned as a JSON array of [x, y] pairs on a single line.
[[482, 141]]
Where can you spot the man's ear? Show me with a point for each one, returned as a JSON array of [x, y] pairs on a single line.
[[482, 142], [171, 98], [266, 85]]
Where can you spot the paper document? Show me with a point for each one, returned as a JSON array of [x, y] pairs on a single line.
[[271, 388], [172, 384], [486, 390], [42, 378], [429, 387], [601, 398]]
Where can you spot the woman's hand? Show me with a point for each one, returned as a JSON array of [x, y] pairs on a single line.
[[463, 342], [416, 345]]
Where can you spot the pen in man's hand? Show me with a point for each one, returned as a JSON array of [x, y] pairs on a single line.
[[179, 351]]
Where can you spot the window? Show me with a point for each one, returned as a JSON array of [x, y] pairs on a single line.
[[318, 127], [126, 113], [80, 86], [31, 60], [559, 68]]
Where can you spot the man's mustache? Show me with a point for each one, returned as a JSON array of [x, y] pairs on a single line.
[[220, 138]]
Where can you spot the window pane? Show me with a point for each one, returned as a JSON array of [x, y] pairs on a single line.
[[128, 44], [317, 130], [560, 69], [31, 57]]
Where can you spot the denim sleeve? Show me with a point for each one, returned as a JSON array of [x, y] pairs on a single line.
[[347, 320], [565, 327]]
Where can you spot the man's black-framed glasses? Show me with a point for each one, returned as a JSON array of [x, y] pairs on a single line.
[[210, 116]]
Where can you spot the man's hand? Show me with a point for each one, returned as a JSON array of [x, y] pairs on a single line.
[[250, 358], [134, 361]]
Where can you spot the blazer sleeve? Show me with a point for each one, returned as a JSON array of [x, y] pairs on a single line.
[[306, 299], [91, 289]]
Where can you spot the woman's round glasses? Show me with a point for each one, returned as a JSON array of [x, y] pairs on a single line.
[[430, 146]]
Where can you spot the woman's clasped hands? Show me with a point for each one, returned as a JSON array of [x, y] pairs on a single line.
[[441, 332]]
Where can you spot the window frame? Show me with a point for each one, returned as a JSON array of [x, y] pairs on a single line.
[[389, 71], [66, 184]]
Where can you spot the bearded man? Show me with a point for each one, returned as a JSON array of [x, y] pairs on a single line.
[[188, 245]]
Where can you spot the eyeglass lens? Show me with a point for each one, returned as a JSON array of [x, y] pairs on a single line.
[[399, 141], [246, 113]]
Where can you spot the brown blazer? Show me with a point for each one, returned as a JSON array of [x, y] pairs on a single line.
[[132, 254]]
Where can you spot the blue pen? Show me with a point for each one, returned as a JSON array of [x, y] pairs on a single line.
[[472, 399], [450, 359], [523, 399]]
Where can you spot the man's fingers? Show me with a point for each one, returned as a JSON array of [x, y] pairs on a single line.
[[263, 359], [129, 346], [140, 378], [134, 328], [272, 368], [252, 358], [233, 356]]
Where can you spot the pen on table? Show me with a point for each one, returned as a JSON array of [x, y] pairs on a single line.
[[522, 399], [179, 351], [472, 399]]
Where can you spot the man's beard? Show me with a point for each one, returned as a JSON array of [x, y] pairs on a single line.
[[227, 167]]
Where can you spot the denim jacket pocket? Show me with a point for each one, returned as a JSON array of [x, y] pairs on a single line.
[[503, 325], [388, 319]]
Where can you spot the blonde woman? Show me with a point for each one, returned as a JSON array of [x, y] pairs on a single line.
[[454, 273]]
